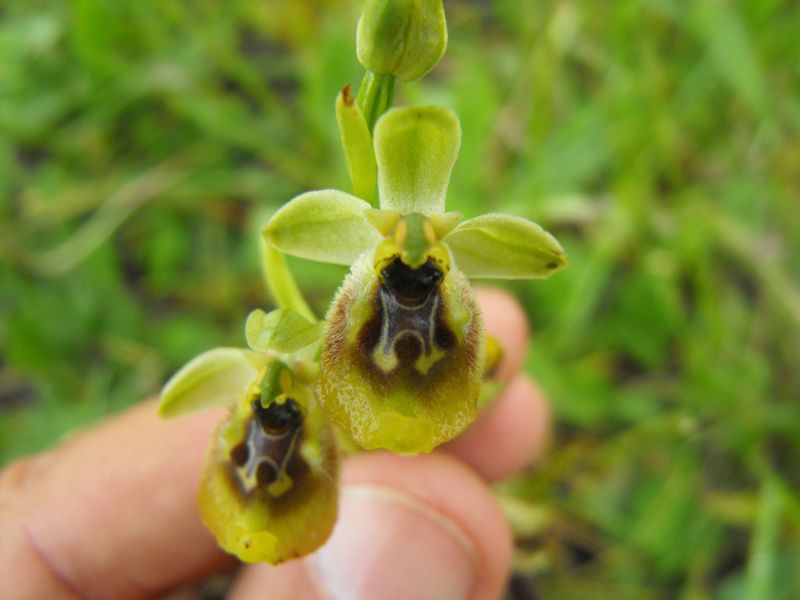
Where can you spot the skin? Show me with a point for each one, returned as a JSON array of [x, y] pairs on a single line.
[[110, 512]]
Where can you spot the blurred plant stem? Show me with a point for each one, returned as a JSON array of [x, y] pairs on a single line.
[[281, 283], [104, 221], [761, 568]]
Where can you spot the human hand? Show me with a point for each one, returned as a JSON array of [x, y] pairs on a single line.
[[110, 513]]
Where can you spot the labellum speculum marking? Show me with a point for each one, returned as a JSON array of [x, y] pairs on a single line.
[[268, 458], [269, 490], [401, 365], [411, 332]]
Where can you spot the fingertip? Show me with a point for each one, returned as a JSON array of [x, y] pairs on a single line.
[[505, 319], [409, 527], [509, 435], [438, 501], [130, 484]]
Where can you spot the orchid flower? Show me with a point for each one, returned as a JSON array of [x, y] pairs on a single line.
[[402, 355], [269, 489]]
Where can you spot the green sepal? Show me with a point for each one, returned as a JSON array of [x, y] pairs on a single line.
[[357, 145], [504, 247], [282, 330], [416, 148], [214, 378], [326, 225]]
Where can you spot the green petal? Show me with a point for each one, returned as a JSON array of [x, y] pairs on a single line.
[[289, 509], [504, 247], [327, 226], [282, 330], [382, 392], [214, 378], [357, 144], [416, 148]]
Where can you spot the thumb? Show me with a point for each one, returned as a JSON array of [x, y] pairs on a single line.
[[409, 527]]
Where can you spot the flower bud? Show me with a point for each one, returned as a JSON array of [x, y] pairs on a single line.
[[404, 38]]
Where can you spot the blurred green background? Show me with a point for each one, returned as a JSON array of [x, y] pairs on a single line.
[[142, 144]]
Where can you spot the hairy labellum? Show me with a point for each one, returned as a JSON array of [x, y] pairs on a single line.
[[401, 364], [269, 489]]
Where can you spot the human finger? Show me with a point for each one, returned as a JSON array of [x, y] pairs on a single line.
[[111, 512], [409, 527], [505, 319], [511, 432], [509, 435]]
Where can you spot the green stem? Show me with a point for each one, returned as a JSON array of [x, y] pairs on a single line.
[[375, 96], [281, 283]]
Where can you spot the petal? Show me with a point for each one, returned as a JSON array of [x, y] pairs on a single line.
[[282, 330], [357, 144], [270, 493], [326, 225], [219, 376], [444, 223], [405, 378], [504, 247], [416, 148]]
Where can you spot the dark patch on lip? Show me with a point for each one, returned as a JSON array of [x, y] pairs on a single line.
[[408, 349], [411, 286], [266, 473], [278, 418], [442, 336], [240, 454], [271, 447], [405, 293]]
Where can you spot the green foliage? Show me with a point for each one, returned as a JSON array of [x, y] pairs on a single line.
[[143, 145]]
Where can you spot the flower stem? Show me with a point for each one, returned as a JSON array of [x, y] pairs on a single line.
[[281, 283], [375, 96]]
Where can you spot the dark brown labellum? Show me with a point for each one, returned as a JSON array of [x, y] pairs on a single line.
[[407, 330], [268, 457]]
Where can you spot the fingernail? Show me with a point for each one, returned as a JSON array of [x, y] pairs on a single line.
[[389, 545]]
